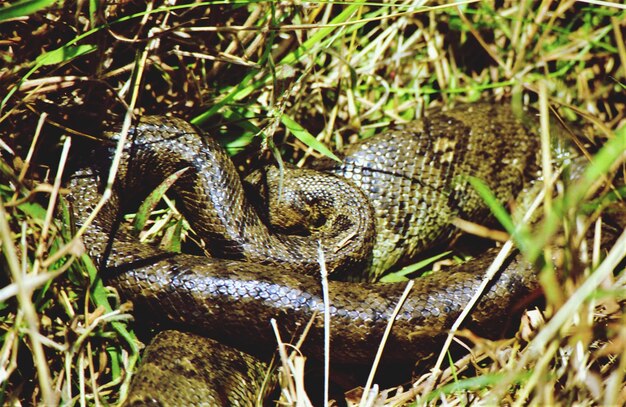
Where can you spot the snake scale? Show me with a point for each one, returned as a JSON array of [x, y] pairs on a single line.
[[392, 196]]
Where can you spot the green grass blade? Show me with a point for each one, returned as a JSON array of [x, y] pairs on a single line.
[[307, 138], [400, 275], [100, 297], [498, 210], [153, 199], [63, 54], [473, 383], [519, 235], [172, 240], [23, 8]]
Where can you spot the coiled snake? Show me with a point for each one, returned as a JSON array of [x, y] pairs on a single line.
[[393, 196]]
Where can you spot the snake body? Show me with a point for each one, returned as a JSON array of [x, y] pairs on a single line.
[[395, 194]]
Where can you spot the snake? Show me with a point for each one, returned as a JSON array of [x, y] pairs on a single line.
[[389, 198]]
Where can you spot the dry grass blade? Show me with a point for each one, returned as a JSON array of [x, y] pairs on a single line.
[[24, 297], [367, 398], [326, 298], [292, 374]]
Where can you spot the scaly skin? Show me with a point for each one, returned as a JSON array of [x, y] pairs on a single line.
[[413, 179]]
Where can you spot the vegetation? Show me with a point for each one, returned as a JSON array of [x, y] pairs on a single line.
[[281, 81]]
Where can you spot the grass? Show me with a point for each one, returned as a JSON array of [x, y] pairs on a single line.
[[284, 81]]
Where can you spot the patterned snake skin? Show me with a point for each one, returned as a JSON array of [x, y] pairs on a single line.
[[393, 196]]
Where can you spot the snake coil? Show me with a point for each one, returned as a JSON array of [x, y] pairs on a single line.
[[394, 195]]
